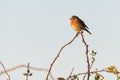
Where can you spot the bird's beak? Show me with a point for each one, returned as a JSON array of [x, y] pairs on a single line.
[[70, 19]]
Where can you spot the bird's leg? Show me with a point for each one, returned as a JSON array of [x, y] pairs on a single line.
[[80, 32]]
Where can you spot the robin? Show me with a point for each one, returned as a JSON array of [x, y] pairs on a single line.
[[78, 25]]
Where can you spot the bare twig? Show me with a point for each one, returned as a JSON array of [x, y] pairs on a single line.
[[27, 74], [92, 62], [25, 66], [59, 54], [27, 71], [92, 72], [87, 57], [70, 74], [5, 70]]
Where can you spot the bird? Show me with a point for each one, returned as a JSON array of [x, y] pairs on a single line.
[[78, 25]]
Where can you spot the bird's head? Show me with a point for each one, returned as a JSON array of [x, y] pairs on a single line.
[[73, 17]]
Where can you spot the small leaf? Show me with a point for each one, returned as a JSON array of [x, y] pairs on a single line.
[[97, 77], [75, 76], [118, 77], [25, 74], [60, 78], [30, 74], [112, 69], [28, 71], [93, 53]]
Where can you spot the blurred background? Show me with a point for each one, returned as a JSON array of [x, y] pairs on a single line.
[[34, 30]]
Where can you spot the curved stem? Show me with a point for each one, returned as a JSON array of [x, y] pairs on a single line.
[[58, 54]]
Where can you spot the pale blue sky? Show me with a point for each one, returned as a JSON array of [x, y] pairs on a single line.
[[34, 30]]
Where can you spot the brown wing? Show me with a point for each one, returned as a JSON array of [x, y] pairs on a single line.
[[82, 23]]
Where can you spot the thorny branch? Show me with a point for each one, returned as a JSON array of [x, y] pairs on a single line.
[[59, 54], [87, 57]]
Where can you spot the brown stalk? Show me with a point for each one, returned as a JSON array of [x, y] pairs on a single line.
[[58, 54], [87, 57]]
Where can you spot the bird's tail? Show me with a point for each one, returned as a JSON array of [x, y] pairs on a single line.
[[88, 31]]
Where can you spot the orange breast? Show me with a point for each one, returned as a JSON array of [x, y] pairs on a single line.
[[74, 25]]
